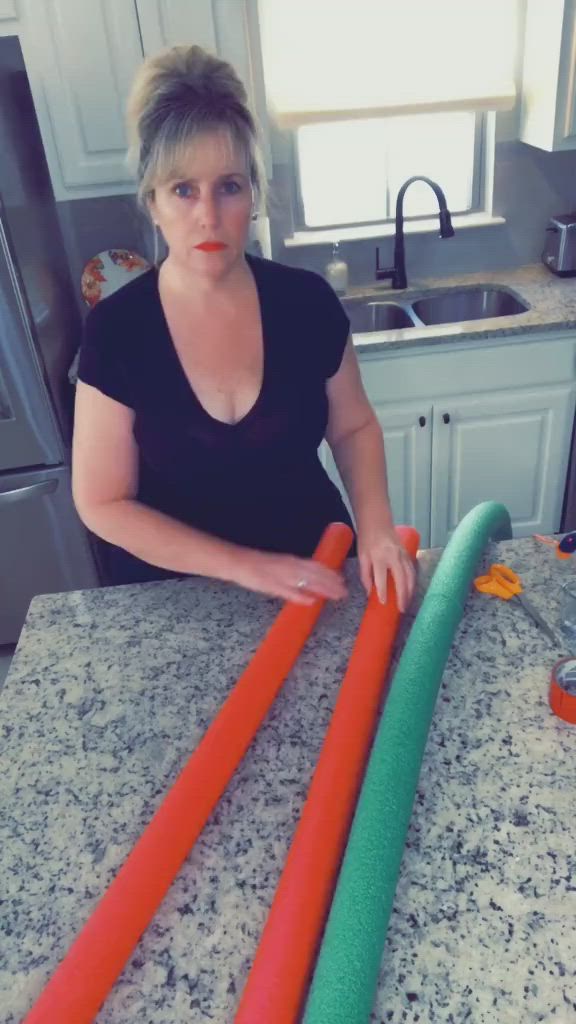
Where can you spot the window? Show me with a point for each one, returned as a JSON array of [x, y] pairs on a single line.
[[350, 172], [370, 93]]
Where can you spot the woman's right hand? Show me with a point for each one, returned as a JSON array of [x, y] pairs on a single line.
[[278, 575]]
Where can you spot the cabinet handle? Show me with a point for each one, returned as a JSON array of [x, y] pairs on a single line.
[[422, 421], [446, 417]]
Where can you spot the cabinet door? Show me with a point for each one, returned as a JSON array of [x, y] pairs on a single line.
[[327, 460], [511, 447], [81, 58], [407, 433], [548, 110], [176, 22]]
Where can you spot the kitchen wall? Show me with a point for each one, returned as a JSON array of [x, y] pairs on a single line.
[[530, 185], [91, 225]]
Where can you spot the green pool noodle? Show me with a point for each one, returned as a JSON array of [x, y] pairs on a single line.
[[344, 984]]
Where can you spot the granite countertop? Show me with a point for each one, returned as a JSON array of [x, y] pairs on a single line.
[[552, 302], [108, 694]]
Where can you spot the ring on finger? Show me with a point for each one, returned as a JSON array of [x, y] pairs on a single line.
[[301, 584]]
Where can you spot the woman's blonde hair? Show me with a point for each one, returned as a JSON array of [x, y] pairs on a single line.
[[176, 95]]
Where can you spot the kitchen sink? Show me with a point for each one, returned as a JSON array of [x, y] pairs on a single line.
[[376, 316], [452, 305], [467, 304]]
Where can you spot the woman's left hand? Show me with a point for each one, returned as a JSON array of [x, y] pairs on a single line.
[[380, 551]]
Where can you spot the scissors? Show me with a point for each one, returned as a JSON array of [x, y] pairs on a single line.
[[505, 583]]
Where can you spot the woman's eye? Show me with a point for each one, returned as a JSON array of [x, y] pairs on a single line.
[[231, 188], [183, 190]]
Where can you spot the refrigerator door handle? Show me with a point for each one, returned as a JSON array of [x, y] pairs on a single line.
[[21, 493]]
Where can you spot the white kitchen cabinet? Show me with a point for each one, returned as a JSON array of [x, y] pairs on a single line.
[[81, 56], [408, 432], [469, 423], [511, 447], [327, 460], [174, 22], [548, 109]]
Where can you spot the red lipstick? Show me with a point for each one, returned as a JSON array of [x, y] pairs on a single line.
[[211, 246]]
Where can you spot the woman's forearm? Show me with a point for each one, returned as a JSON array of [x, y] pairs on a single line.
[[161, 540], [361, 462]]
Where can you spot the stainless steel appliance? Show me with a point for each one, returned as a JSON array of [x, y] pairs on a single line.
[[559, 253], [43, 546]]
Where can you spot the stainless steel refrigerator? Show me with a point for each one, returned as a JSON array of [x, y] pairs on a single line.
[[44, 547]]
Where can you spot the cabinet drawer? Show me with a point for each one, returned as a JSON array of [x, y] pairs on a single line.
[[429, 373]]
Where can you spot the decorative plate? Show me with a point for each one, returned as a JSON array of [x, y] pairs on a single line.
[[108, 271]]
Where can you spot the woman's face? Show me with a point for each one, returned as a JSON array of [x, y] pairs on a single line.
[[209, 202]]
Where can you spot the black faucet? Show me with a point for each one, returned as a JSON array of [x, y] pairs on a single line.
[[398, 272]]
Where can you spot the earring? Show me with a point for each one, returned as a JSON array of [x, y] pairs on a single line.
[[156, 253]]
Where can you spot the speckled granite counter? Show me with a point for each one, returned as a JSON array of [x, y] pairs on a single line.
[[552, 302], [109, 692]]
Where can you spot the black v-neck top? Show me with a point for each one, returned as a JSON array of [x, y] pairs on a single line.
[[258, 482]]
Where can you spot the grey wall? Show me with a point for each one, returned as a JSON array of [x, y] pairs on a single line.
[[91, 225]]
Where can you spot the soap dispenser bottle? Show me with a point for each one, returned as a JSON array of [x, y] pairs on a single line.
[[336, 272]]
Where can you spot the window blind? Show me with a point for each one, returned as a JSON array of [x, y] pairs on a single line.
[[335, 60]]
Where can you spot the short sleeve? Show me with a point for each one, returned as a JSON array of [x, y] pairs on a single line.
[[102, 362], [331, 328]]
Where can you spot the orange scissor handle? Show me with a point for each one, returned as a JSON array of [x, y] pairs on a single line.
[[500, 581]]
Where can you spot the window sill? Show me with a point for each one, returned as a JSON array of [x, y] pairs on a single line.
[[323, 236]]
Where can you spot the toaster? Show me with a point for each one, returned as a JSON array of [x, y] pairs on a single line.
[[559, 253]]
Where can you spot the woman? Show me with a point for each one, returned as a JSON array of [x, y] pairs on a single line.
[[207, 384]]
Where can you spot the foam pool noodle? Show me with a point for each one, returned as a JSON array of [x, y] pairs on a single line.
[[276, 985], [345, 980]]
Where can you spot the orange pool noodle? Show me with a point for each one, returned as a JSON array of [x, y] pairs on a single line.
[[83, 979], [284, 960]]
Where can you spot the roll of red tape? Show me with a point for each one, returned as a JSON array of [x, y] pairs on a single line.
[[562, 694]]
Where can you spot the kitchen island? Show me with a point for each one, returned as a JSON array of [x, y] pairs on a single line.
[[108, 694]]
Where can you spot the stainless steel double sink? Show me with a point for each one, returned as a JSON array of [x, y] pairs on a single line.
[[452, 305]]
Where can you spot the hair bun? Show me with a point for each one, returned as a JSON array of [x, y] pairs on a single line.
[[176, 94]]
